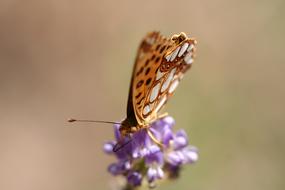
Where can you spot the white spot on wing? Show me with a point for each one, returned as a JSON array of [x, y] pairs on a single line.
[[151, 106], [173, 86], [158, 74], [154, 92], [168, 57], [161, 103], [146, 109], [188, 58], [190, 47], [168, 80], [174, 54], [183, 49]]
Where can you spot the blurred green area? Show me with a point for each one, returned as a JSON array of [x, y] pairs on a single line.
[[61, 59]]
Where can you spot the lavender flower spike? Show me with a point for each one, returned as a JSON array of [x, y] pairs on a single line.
[[143, 160]]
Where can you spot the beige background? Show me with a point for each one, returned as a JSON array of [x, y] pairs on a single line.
[[63, 58]]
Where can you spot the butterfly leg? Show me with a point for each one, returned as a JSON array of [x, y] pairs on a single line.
[[162, 115], [122, 142], [154, 138]]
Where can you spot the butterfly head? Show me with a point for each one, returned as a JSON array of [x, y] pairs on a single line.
[[128, 128]]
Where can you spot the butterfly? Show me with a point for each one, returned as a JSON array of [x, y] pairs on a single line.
[[159, 66]]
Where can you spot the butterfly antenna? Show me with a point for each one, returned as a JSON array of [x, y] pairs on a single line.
[[119, 145], [93, 121]]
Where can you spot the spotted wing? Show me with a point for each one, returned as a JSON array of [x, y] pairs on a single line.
[[159, 67]]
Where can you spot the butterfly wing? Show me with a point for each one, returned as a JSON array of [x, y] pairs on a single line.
[[159, 67]]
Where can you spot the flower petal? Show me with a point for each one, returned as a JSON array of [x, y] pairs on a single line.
[[167, 137], [160, 173], [190, 155], [117, 133], [180, 140], [154, 173], [154, 155], [119, 168], [174, 159], [108, 147], [151, 174], [169, 121], [134, 178]]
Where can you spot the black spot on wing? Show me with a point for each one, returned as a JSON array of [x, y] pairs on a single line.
[[140, 71], [146, 62], [157, 59], [157, 47], [162, 49], [139, 94], [139, 102], [139, 84], [147, 71], [148, 81]]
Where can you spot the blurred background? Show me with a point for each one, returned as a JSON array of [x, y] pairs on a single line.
[[61, 59]]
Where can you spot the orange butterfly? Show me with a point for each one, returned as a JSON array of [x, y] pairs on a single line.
[[159, 66]]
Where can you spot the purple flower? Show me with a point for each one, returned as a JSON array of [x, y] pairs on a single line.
[[154, 173], [121, 167], [134, 178], [139, 157]]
